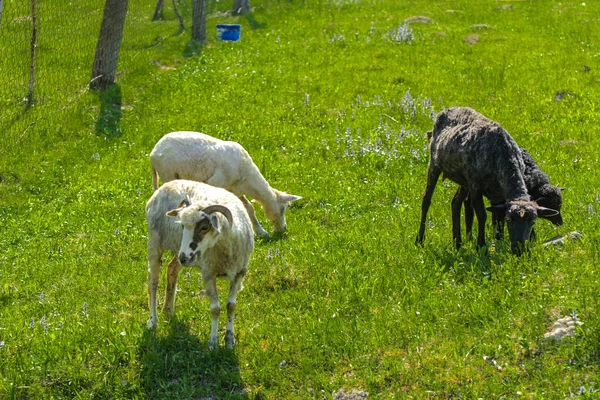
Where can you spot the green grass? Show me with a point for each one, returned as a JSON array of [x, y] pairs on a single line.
[[318, 95]]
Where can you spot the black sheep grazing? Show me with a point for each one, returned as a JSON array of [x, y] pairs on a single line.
[[538, 187], [480, 156]]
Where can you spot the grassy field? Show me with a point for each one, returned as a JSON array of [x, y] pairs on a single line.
[[332, 100]]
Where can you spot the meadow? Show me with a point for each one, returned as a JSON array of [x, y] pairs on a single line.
[[332, 99]]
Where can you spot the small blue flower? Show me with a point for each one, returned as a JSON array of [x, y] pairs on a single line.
[[44, 324], [270, 254], [31, 323]]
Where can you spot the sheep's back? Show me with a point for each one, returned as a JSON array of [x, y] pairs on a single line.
[[198, 157], [475, 152]]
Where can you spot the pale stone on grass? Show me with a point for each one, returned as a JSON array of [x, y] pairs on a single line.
[[472, 39], [418, 20], [560, 239], [354, 394], [562, 328], [481, 26]]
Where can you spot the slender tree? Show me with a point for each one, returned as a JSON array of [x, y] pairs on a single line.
[[158, 10], [109, 43], [240, 7], [158, 13], [199, 20], [29, 96]]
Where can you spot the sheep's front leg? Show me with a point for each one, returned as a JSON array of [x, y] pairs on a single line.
[[171, 290], [498, 223], [477, 203], [210, 288], [457, 202], [250, 210], [432, 177], [153, 275], [234, 287]]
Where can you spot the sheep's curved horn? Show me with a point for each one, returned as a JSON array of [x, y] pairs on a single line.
[[222, 209]]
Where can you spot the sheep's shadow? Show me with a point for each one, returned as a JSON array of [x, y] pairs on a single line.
[[180, 365], [469, 259], [110, 111]]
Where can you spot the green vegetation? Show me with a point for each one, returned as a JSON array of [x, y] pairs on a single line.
[[331, 108]]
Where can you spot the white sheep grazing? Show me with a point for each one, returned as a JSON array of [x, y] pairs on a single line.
[[202, 226], [203, 158]]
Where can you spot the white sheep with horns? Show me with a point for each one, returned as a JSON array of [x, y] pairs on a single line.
[[205, 227], [225, 164]]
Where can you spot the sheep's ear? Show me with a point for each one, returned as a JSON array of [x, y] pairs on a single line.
[[562, 189], [288, 197], [173, 213], [497, 207], [544, 212], [184, 203]]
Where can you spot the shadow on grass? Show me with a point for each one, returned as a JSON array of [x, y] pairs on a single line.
[[179, 365], [254, 24], [468, 260], [110, 111], [193, 48]]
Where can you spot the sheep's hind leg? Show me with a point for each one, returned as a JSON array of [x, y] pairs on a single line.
[[250, 210], [433, 175], [153, 276], [234, 287], [171, 290], [469, 216], [210, 288], [457, 202]]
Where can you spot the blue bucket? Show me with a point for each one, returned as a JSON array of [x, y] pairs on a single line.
[[229, 32]]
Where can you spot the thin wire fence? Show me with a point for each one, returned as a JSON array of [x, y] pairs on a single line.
[[47, 51]]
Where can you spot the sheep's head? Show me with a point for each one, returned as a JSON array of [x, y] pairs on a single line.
[[277, 214], [551, 197], [201, 229], [520, 219]]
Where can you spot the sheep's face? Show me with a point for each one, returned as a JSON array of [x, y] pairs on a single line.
[[551, 198], [277, 215], [520, 219], [200, 231]]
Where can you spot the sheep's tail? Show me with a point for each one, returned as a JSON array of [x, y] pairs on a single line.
[[154, 179]]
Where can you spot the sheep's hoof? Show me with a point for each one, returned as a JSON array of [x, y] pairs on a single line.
[[152, 323], [262, 233], [213, 342], [229, 339]]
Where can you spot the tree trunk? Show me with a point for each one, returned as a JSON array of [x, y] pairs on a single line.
[[199, 20], [179, 17], [240, 7], [104, 70], [158, 10], [29, 96]]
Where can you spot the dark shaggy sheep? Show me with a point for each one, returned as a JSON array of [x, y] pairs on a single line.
[[538, 187], [480, 156]]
